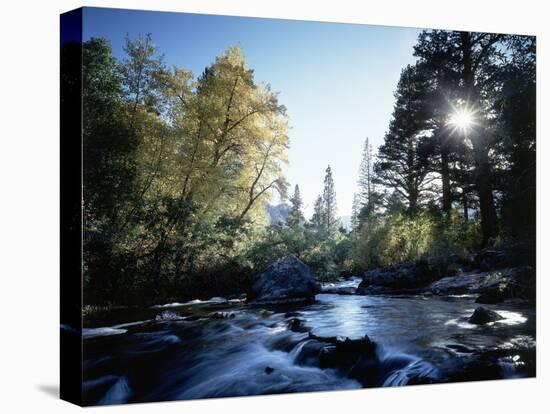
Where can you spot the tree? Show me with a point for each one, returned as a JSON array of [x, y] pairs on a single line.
[[355, 208], [330, 220], [140, 76], [110, 172], [366, 179], [400, 163], [516, 126], [318, 213], [295, 216], [236, 135], [440, 147], [178, 168], [108, 147], [142, 73], [473, 58]]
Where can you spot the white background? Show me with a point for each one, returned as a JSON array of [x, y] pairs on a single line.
[[29, 206]]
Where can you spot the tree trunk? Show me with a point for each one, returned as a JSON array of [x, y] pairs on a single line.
[[413, 200], [481, 151], [485, 192], [445, 179], [465, 204]]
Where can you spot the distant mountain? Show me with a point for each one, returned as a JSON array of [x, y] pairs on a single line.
[[277, 214]]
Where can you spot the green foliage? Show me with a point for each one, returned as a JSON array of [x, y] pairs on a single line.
[[517, 127], [177, 172], [178, 169], [318, 213], [326, 254], [295, 215], [401, 237], [329, 218], [400, 164]]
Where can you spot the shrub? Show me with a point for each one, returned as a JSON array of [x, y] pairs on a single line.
[[400, 237]]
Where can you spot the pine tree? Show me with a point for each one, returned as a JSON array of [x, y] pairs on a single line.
[[355, 207], [473, 58], [318, 213], [400, 164], [367, 197], [518, 119], [295, 216], [329, 202]]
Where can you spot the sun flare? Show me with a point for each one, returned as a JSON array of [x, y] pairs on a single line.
[[462, 119]]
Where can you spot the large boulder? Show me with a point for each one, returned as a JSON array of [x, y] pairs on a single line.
[[404, 278], [285, 281], [491, 364], [494, 286]]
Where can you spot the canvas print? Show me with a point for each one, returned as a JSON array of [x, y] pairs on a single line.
[[258, 206]]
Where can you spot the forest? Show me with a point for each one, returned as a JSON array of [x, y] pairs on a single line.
[[179, 170]]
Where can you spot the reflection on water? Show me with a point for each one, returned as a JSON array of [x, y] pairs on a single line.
[[195, 350], [412, 321]]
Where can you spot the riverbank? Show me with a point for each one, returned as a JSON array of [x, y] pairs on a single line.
[[492, 275]]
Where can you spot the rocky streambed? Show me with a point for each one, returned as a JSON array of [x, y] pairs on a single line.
[[333, 341]]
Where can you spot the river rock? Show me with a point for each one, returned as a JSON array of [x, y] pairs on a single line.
[[168, 316], [407, 276], [482, 316], [297, 325], [285, 281], [356, 358], [265, 314], [222, 315], [492, 364], [340, 351], [516, 282]]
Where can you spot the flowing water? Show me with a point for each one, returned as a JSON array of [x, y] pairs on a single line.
[[221, 348]]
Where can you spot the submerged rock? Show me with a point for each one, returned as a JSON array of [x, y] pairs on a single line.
[[355, 358], [360, 359], [297, 325], [285, 281], [265, 314], [168, 316], [346, 352], [482, 316], [222, 315]]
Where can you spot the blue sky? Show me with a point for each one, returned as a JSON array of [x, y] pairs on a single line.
[[336, 80]]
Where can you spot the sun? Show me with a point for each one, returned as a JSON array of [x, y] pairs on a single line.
[[462, 119]]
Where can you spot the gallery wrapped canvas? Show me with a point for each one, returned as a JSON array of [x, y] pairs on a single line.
[[256, 206]]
